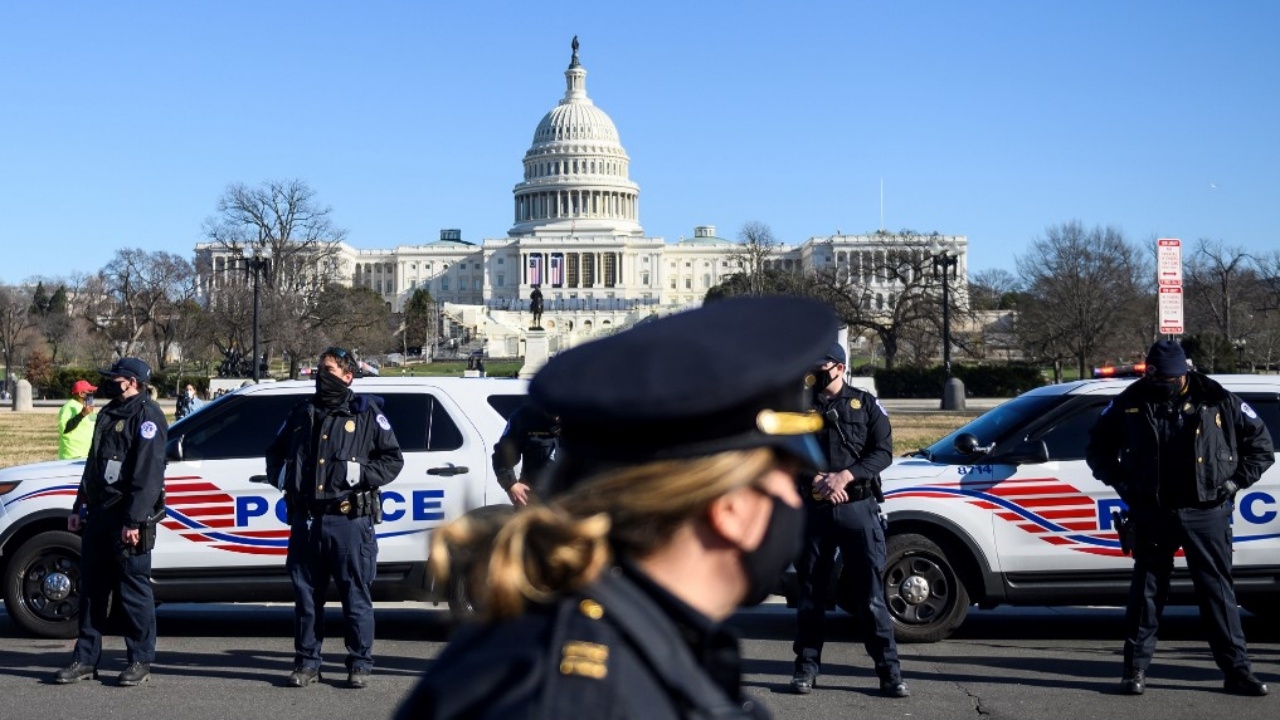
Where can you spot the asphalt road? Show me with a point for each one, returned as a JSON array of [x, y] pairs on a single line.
[[227, 661]]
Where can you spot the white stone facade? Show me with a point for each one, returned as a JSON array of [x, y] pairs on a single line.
[[576, 233]]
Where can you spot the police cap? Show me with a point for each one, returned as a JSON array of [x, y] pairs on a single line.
[[726, 376], [129, 367]]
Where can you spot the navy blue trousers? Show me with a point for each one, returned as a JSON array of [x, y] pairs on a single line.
[[104, 566], [344, 550], [855, 529], [1205, 537]]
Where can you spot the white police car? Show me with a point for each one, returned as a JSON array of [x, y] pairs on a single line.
[[225, 538], [1005, 511]]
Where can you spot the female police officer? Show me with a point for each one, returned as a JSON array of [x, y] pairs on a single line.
[[671, 503]]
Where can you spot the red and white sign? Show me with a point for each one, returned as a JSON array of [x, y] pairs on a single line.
[[1171, 310], [1169, 262]]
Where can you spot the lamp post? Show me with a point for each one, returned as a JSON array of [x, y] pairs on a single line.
[[255, 264], [946, 259]]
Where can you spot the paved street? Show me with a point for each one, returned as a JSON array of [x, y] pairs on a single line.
[[219, 661]]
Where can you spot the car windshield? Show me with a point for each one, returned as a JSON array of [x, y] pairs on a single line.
[[998, 425]]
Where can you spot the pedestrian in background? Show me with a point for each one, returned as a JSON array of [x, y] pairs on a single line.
[[529, 439], [76, 421], [188, 402], [1177, 447], [843, 511], [331, 456], [672, 502], [119, 503]]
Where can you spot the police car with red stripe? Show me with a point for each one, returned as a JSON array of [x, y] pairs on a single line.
[[224, 537], [1005, 511]]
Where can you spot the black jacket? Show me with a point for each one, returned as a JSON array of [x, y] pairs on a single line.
[[1231, 442], [609, 652], [858, 415], [530, 437], [131, 433], [354, 432]]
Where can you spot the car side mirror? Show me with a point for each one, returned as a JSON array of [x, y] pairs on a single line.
[[173, 449], [1026, 452], [966, 444]]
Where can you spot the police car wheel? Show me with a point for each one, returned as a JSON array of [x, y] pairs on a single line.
[[926, 598], [42, 585]]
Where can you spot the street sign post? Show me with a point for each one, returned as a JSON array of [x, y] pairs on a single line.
[[1169, 282]]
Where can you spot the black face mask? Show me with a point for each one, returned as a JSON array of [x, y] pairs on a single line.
[[779, 546], [1158, 392], [112, 389], [330, 389]]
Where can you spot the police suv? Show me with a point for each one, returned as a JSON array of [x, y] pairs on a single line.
[[1005, 511], [224, 538]]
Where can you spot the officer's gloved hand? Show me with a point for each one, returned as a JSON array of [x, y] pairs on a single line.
[[1229, 489]]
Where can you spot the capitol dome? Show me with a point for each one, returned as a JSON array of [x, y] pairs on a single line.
[[576, 172]]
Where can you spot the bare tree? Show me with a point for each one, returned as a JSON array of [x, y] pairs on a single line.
[[15, 321], [354, 318], [1223, 298], [1080, 287], [897, 296], [282, 223], [993, 289], [125, 298], [756, 245]]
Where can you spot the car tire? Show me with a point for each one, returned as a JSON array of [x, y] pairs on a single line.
[[926, 598], [42, 585]]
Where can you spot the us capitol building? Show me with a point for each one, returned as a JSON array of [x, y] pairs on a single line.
[[577, 235]]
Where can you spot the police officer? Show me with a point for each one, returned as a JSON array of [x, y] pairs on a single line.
[[843, 512], [671, 502], [1177, 446], [120, 500], [529, 439], [330, 457]]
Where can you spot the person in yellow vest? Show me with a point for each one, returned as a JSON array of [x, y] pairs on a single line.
[[75, 422]]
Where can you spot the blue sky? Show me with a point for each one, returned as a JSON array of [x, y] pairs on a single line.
[[122, 123]]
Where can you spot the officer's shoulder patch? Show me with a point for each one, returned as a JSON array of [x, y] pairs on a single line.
[[147, 430], [584, 659], [1244, 408], [383, 422]]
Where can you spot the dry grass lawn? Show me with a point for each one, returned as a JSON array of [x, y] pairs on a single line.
[[29, 437]]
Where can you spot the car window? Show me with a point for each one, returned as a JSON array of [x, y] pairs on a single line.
[[998, 425], [506, 405], [1069, 437], [237, 427], [1268, 407], [421, 422]]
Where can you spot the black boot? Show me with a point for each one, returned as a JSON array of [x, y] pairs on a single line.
[[804, 681], [75, 672], [136, 674], [1134, 682], [303, 676], [1245, 684]]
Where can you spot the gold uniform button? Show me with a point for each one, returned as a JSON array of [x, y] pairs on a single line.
[[591, 609], [321, 461]]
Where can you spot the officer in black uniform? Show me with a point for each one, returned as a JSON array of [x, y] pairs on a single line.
[[843, 512], [330, 458], [529, 439], [671, 502], [1177, 446], [120, 500]]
